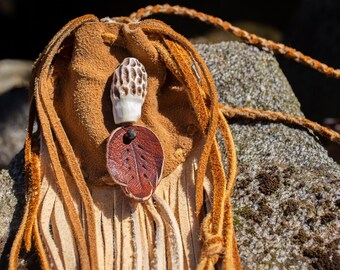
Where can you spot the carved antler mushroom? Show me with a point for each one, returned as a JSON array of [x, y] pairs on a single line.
[[128, 91]]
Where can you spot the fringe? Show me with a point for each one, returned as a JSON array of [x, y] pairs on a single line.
[[129, 235]]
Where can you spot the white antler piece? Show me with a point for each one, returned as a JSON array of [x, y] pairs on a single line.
[[128, 91]]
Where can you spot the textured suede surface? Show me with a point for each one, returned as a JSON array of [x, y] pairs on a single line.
[[82, 76]]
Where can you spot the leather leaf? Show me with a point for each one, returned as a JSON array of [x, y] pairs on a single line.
[[135, 160]]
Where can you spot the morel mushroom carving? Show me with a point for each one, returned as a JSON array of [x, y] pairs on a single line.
[[128, 91]]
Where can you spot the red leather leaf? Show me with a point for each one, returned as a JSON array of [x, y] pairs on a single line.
[[136, 164]]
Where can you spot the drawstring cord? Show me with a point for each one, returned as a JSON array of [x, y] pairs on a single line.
[[244, 35]]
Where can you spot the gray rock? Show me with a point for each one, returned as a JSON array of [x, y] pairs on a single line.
[[14, 73], [12, 201], [13, 123], [14, 80], [287, 194], [286, 199]]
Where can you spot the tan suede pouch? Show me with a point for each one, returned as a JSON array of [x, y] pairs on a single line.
[[69, 187], [80, 88]]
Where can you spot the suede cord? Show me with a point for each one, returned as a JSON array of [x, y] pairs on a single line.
[[49, 119], [31, 173], [230, 112], [41, 69], [244, 35], [99, 234]]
